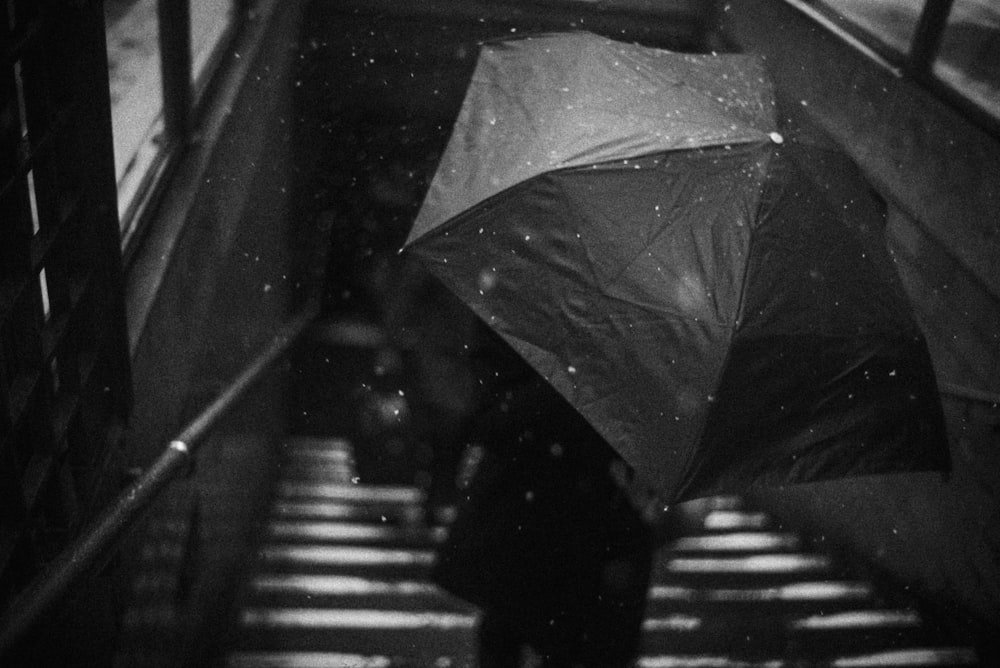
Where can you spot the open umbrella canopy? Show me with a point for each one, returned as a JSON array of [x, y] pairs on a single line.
[[633, 225]]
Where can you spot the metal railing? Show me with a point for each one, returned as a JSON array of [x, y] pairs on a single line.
[[97, 540], [970, 393]]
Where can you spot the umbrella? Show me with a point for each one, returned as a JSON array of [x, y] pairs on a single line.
[[631, 222]]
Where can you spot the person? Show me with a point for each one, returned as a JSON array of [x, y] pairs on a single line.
[[546, 541]]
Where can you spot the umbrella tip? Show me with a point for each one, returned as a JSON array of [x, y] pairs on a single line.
[[777, 138]]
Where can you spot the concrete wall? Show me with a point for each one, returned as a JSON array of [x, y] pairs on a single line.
[[224, 264], [938, 174]]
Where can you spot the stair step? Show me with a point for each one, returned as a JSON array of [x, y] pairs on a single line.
[[758, 563], [333, 446], [400, 563], [362, 631], [930, 657], [354, 533], [348, 592], [357, 620], [724, 502], [338, 660], [693, 634], [311, 509], [811, 635], [853, 630], [709, 661], [386, 494], [758, 570], [736, 520], [740, 541], [820, 595], [810, 592], [937, 657]]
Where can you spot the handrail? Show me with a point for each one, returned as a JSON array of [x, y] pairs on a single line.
[[93, 543], [969, 393]]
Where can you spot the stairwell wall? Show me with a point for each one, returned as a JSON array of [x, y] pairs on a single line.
[[223, 266], [937, 173]]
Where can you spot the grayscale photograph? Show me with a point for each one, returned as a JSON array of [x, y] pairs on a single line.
[[500, 334]]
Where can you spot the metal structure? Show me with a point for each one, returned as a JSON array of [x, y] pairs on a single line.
[[64, 369], [102, 534]]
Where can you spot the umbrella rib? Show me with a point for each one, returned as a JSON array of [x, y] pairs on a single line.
[[594, 276], [517, 103], [758, 214], [686, 478], [751, 133], [578, 215], [631, 261]]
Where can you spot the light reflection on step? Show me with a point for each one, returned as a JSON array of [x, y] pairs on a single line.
[[763, 563], [306, 660], [905, 658], [733, 542], [858, 619], [346, 531], [731, 520], [335, 555], [318, 456], [339, 585], [332, 618], [937, 656], [338, 446], [676, 623], [700, 661], [357, 493], [330, 510], [799, 591], [323, 471]]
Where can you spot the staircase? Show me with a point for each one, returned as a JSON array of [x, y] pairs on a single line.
[[341, 581], [342, 575], [734, 591]]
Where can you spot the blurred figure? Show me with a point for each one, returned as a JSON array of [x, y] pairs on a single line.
[[547, 542], [435, 334]]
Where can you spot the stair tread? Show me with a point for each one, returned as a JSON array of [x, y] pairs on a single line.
[[353, 532], [342, 579], [264, 659], [935, 657], [401, 494]]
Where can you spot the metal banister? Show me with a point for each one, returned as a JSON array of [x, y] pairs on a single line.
[[970, 393], [97, 539]]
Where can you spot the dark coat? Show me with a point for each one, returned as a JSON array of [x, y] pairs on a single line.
[[546, 534]]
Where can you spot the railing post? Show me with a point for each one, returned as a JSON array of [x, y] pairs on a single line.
[[927, 37], [175, 66]]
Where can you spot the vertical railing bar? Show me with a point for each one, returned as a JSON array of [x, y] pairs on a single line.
[[927, 37], [175, 66]]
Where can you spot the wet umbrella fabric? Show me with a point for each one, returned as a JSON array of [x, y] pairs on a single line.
[[631, 223]]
